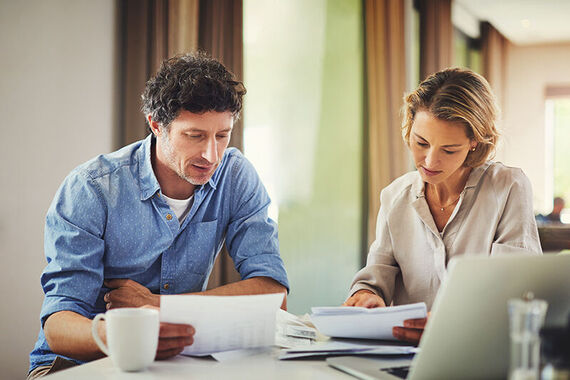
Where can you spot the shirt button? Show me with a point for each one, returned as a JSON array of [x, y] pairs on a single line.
[[166, 286], [168, 216]]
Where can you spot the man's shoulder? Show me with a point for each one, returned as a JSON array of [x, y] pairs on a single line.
[[232, 163], [236, 175], [233, 153], [108, 164]]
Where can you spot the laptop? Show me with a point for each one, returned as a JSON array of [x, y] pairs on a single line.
[[467, 334]]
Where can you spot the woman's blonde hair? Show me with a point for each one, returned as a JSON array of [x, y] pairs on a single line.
[[457, 95]]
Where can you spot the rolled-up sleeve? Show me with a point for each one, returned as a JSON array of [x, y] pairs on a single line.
[[379, 274], [516, 231], [74, 247], [251, 236]]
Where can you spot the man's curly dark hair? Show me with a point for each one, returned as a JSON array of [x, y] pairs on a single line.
[[194, 82]]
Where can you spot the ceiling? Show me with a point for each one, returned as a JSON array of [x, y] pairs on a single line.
[[523, 22]]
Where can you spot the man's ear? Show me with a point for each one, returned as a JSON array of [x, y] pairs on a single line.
[[154, 126]]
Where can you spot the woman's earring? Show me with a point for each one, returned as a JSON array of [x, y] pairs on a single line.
[[473, 149]]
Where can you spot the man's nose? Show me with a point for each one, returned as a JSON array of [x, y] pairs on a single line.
[[210, 151]]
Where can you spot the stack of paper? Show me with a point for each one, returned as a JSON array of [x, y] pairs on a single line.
[[293, 331], [363, 323], [348, 347]]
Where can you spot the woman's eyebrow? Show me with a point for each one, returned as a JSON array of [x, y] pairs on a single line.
[[418, 136], [452, 145], [443, 146]]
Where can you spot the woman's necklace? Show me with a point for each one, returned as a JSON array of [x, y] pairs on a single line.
[[442, 208]]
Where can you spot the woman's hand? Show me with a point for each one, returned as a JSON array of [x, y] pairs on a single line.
[[411, 331], [365, 298]]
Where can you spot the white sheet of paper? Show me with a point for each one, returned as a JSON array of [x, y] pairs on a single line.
[[224, 323], [363, 323], [226, 356]]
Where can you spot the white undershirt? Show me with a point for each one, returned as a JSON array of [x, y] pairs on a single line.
[[181, 207]]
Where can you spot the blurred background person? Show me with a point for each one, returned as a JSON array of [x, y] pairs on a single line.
[[557, 207]]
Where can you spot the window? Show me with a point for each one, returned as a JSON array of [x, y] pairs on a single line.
[[558, 155], [303, 131], [467, 52]]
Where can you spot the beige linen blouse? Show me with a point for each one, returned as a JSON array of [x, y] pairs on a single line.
[[407, 261]]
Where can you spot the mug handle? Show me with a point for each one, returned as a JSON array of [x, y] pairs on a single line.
[[95, 333]]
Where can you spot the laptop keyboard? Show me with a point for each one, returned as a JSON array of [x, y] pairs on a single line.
[[401, 372]]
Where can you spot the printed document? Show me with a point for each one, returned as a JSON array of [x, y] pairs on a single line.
[[363, 323], [224, 323]]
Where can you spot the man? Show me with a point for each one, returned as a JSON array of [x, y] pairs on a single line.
[[150, 218], [557, 207]]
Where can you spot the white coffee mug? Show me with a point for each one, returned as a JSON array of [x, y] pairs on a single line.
[[132, 337]]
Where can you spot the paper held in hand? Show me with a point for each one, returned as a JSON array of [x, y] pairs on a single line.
[[224, 323], [363, 323]]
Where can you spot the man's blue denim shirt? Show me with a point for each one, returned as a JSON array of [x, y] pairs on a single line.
[[108, 220]]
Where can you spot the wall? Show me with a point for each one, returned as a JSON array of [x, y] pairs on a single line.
[[530, 69], [57, 111]]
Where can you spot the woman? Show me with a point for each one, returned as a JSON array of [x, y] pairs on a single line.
[[456, 203]]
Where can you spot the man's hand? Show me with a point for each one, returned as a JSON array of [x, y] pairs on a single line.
[[411, 331], [172, 339], [365, 298], [128, 293]]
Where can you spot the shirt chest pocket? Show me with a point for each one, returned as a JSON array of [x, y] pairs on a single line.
[[200, 245]]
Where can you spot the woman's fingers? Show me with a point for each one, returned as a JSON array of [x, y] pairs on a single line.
[[419, 323], [412, 330], [365, 298], [407, 334]]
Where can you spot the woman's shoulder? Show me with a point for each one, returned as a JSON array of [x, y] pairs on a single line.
[[500, 173], [502, 178], [401, 187], [405, 180]]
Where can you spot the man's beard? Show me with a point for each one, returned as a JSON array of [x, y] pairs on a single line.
[[169, 152]]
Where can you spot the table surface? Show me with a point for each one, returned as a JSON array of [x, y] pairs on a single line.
[[261, 365]]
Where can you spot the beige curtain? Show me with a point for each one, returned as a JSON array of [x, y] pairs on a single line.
[[494, 48], [150, 31], [221, 35], [153, 30], [386, 84], [182, 26], [436, 36]]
